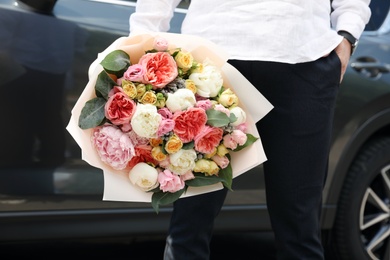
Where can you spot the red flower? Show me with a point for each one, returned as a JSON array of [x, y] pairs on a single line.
[[189, 123]]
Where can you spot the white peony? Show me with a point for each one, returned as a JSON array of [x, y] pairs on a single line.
[[146, 120], [144, 176], [182, 161], [208, 82], [180, 100], [240, 114]]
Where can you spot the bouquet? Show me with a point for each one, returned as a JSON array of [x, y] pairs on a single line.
[[165, 118]]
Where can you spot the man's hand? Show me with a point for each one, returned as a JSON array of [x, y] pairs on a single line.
[[343, 50]]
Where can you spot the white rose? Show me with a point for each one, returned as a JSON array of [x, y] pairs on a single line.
[[144, 176], [180, 100], [240, 114], [182, 161], [146, 120], [208, 82]]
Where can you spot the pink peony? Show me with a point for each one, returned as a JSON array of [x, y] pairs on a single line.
[[119, 107], [189, 123], [113, 146], [170, 182], [134, 73], [208, 139], [160, 69]]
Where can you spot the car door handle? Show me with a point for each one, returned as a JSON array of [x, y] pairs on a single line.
[[371, 69]]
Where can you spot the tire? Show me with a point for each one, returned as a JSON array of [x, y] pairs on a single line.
[[362, 225]]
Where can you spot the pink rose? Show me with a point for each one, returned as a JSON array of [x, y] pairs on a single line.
[[208, 139], [134, 73], [119, 107], [165, 113], [160, 44], [170, 182], [189, 123], [160, 69], [166, 125], [204, 104], [221, 161], [243, 127], [222, 109], [235, 138], [113, 146], [187, 176]]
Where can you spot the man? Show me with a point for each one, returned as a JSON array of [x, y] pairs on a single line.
[[295, 52]]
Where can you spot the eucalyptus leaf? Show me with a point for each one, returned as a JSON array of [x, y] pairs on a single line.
[[104, 84], [217, 118], [165, 198], [250, 140], [92, 114], [116, 62]]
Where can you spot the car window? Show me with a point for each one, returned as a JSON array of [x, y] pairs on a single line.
[[379, 12]]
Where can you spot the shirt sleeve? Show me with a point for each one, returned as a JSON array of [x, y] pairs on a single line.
[[350, 15], [152, 15]]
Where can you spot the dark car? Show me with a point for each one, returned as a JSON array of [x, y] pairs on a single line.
[[48, 192]]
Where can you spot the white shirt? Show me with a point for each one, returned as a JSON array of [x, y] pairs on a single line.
[[290, 31]]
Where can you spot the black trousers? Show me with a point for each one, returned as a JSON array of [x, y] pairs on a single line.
[[296, 137]]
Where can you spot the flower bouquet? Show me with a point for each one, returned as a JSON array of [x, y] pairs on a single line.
[[165, 116]]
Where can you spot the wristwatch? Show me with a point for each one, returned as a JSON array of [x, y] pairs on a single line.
[[351, 39]]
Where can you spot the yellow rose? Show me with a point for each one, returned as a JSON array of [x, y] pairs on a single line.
[[129, 88], [228, 98], [141, 89], [157, 153], [222, 150], [197, 67], [207, 167], [184, 60], [155, 141], [173, 145], [149, 98], [190, 84], [209, 155]]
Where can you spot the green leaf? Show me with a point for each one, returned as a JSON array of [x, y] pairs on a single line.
[[233, 118], [116, 62], [104, 84], [92, 113], [203, 180], [227, 175], [217, 118], [250, 140], [165, 198], [188, 146]]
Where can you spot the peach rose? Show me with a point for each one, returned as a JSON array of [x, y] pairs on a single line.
[[119, 108], [208, 139], [143, 153], [189, 123], [160, 69]]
